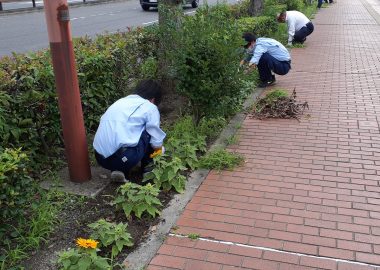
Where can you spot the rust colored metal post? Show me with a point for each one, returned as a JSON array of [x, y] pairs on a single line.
[[66, 80]]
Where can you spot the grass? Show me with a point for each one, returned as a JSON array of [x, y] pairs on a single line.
[[220, 159], [32, 230], [234, 139], [193, 236]]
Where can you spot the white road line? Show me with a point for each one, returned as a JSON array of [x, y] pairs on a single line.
[[278, 251], [146, 23]]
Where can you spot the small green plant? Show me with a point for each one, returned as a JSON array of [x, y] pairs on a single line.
[[211, 127], [84, 257], [193, 236], [232, 140], [298, 45], [166, 173], [220, 159], [137, 199], [111, 234]]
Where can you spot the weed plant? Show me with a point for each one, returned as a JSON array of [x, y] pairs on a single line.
[[111, 234], [220, 159]]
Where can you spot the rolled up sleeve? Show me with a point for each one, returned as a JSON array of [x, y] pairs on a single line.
[[153, 128], [291, 29]]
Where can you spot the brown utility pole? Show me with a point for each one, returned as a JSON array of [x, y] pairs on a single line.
[[66, 80]]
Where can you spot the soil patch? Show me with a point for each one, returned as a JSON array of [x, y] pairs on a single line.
[[73, 224]]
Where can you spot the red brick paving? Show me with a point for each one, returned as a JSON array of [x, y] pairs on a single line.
[[309, 188]]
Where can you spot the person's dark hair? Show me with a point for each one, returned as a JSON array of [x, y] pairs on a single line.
[[149, 89], [281, 15], [249, 37]]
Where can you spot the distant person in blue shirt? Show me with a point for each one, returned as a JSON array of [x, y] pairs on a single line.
[[129, 131], [268, 55]]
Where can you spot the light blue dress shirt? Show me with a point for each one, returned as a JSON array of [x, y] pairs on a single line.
[[271, 46], [124, 122]]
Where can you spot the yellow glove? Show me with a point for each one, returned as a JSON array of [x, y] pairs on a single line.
[[157, 152]]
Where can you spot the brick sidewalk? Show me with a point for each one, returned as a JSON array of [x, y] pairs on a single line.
[[308, 195]]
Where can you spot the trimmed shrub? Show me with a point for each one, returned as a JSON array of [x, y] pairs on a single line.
[[207, 63], [262, 26], [14, 182], [293, 4], [239, 9], [108, 67]]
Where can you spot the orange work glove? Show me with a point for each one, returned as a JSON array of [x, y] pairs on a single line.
[[157, 152]]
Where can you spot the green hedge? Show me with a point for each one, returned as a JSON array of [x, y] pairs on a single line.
[[207, 63], [108, 66], [262, 26], [15, 184]]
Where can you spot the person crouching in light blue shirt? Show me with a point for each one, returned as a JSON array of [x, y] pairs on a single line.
[[267, 55], [129, 131]]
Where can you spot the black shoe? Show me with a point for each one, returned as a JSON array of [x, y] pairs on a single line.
[[267, 83], [118, 177]]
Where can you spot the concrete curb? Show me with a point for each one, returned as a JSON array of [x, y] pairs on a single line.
[[371, 11], [39, 8], [147, 250]]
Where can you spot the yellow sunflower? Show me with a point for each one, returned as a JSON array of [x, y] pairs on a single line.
[[87, 243]]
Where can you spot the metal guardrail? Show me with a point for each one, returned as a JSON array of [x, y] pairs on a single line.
[[9, 1]]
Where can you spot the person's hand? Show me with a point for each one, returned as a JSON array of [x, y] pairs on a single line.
[[158, 151], [242, 62], [251, 66]]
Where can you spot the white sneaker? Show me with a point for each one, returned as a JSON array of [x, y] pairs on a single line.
[[118, 177]]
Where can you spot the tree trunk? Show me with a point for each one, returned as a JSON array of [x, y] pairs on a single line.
[[255, 7]]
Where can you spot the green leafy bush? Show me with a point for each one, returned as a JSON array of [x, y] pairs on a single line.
[[111, 234], [136, 199], [15, 183], [239, 9], [293, 4], [262, 26], [272, 9], [220, 159], [207, 62], [108, 67]]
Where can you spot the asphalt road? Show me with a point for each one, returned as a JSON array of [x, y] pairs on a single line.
[[25, 32], [29, 3]]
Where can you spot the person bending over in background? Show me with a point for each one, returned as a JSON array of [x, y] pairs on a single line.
[[129, 131], [299, 26], [267, 55]]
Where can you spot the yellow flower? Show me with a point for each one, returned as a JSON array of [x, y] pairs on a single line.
[[87, 243]]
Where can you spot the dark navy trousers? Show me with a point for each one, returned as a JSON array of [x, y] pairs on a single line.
[[268, 63], [125, 158], [300, 35]]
